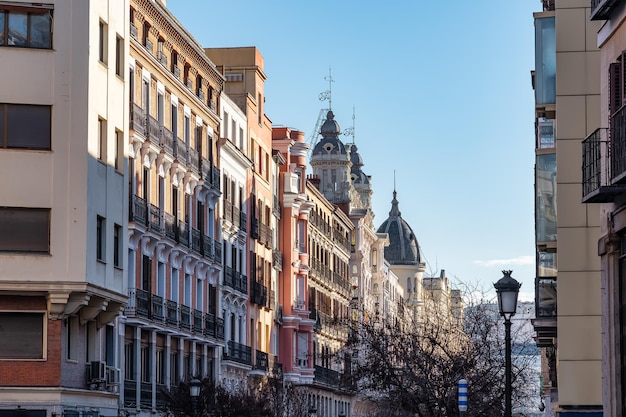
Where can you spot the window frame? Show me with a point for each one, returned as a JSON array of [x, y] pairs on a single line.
[[5, 142], [100, 239], [49, 223], [44, 333], [29, 10]]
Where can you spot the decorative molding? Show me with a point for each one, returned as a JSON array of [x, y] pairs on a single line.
[[187, 46]]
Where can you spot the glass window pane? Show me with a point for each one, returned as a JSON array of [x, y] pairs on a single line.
[[28, 126], [2, 16], [21, 335], [545, 198], [24, 230], [40, 30], [18, 24]]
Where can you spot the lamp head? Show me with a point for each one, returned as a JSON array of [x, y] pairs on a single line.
[[194, 387], [507, 290]]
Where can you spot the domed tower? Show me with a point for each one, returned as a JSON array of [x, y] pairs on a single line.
[[360, 180], [330, 162], [404, 254]]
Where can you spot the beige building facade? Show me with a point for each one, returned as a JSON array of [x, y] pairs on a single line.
[[566, 81]]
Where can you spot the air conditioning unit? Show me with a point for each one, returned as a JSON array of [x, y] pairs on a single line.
[[113, 376], [97, 371]]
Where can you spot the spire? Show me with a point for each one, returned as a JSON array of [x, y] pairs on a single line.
[[395, 210]]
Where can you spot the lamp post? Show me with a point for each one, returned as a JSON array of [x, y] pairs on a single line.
[[507, 290], [194, 393]]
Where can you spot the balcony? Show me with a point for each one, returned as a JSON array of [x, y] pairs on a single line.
[[169, 223], [185, 317], [243, 221], [326, 376], [602, 9], [207, 247], [254, 229], [236, 217], [228, 211], [176, 72], [154, 130], [604, 162], [196, 240], [238, 353], [149, 46], [138, 212], [166, 139], [217, 245], [197, 321], [137, 119], [157, 308], [216, 181], [259, 294], [193, 160], [265, 234], [154, 218], [261, 361], [219, 328], [235, 280], [276, 207], [180, 150], [277, 259], [162, 58], [171, 311], [209, 325], [183, 233], [133, 31]]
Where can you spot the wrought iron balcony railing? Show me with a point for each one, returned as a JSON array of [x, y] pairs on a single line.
[[137, 119], [604, 163], [237, 352]]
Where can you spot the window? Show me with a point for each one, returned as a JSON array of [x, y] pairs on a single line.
[[25, 126], [103, 31], [102, 141], [119, 151], [22, 335], [100, 238], [27, 27], [119, 56], [187, 131], [24, 230], [71, 332], [117, 245]]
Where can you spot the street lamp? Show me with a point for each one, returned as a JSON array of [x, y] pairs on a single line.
[[507, 289], [194, 393]]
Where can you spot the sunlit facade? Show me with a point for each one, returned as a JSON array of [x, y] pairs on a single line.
[[567, 93], [63, 160], [173, 327]]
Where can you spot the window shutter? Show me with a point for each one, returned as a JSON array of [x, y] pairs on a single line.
[[615, 90]]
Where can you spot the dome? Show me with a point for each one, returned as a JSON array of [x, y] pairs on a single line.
[[330, 126], [403, 248], [330, 144], [356, 173]]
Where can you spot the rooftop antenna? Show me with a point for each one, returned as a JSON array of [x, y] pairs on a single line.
[[351, 130], [323, 96], [327, 95]]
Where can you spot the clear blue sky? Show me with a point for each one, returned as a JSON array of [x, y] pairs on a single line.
[[442, 96]]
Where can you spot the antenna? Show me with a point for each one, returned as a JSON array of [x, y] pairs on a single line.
[[323, 96], [351, 130]]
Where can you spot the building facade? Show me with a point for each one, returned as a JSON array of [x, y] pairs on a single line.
[[63, 223], [566, 81], [173, 327]]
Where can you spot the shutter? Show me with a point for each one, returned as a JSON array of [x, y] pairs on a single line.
[[615, 96]]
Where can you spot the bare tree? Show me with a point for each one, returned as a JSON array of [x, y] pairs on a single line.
[[413, 368]]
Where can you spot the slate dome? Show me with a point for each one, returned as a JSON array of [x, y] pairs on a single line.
[[330, 142], [403, 247]]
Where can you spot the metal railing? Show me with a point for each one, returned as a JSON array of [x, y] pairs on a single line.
[[237, 352]]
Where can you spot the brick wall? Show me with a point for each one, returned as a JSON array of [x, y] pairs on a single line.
[[45, 372]]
